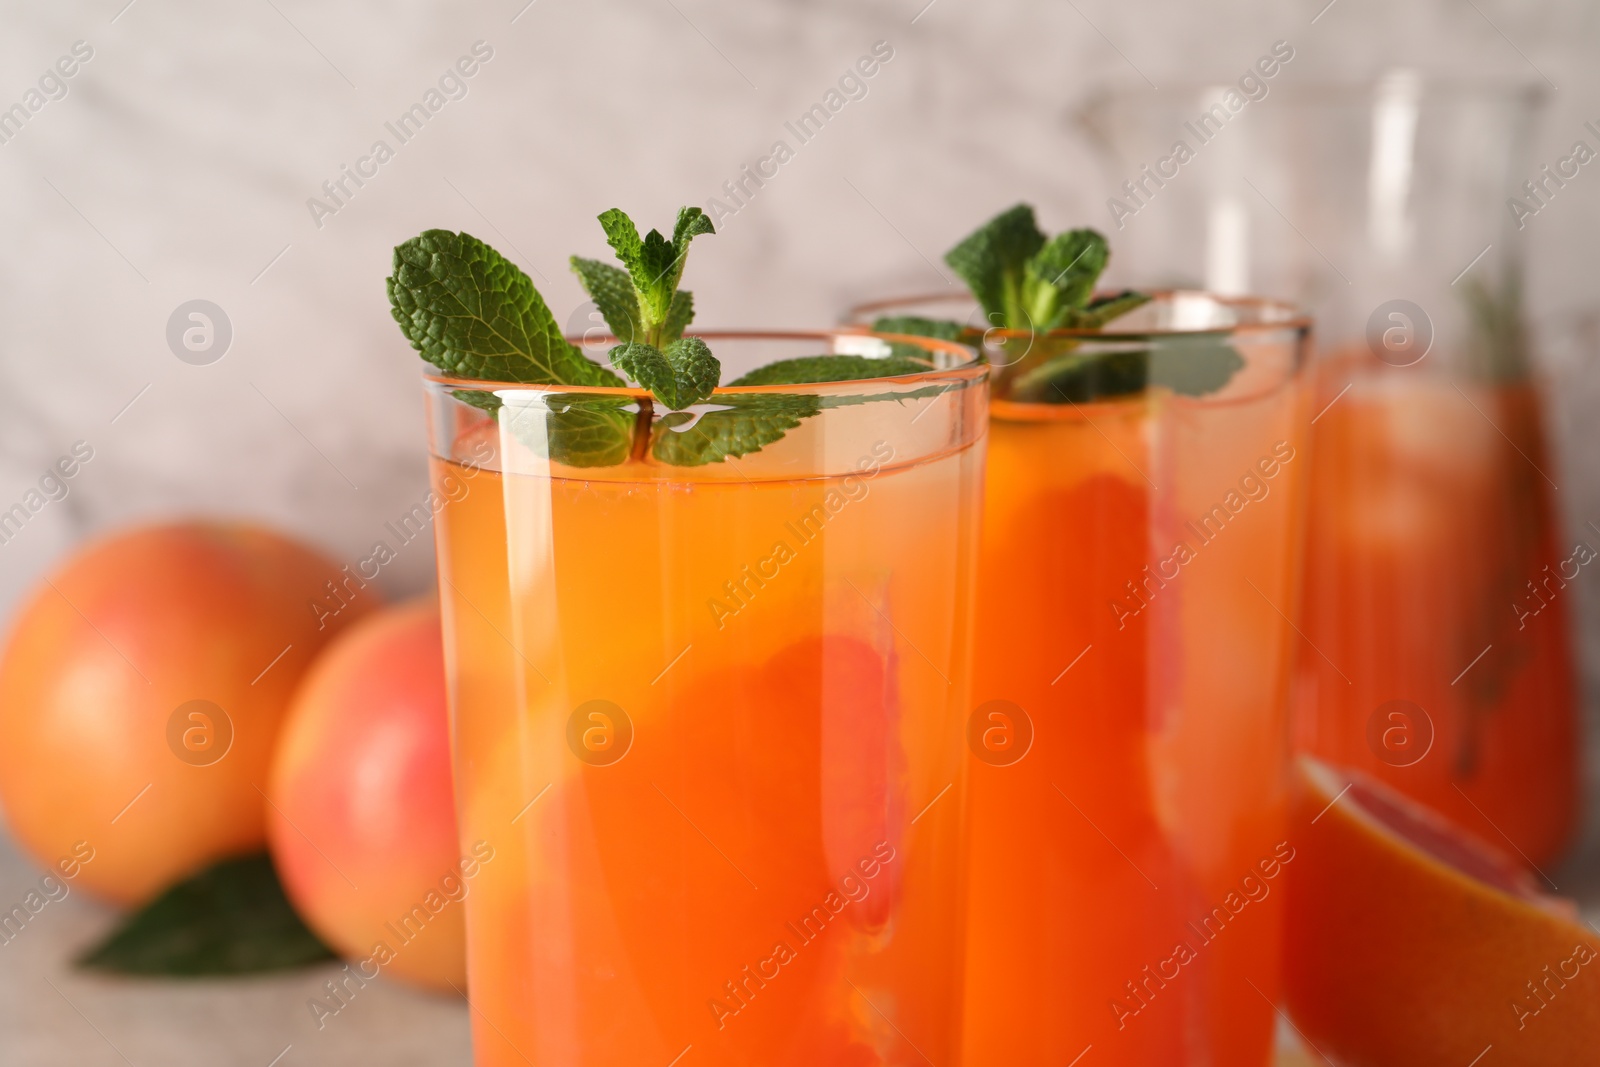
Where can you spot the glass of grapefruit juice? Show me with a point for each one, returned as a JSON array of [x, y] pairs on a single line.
[[709, 717], [1437, 594], [1129, 730], [1438, 604]]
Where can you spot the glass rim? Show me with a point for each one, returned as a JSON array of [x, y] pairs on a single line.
[[969, 366], [1295, 318]]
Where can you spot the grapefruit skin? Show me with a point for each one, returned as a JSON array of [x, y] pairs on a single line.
[[100, 657], [1395, 957], [362, 822]]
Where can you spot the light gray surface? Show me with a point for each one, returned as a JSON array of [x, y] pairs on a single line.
[[51, 1014], [180, 163]]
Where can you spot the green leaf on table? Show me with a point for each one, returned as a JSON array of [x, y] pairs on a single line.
[[738, 426], [680, 375], [473, 313], [231, 918], [806, 370]]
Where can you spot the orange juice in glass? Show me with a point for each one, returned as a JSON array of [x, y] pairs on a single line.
[[1438, 595], [1129, 728], [709, 718], [1438, 585]]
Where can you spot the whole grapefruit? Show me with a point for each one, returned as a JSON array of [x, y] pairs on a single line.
[[362, 824], [141, 691]]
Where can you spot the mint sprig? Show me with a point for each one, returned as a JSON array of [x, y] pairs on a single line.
[[649, 321], [1031, 284], [472, 313]]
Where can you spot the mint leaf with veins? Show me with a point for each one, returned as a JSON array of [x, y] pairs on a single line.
[[654, 263], [679, 315], [583, 430], [679, 375], [806, 370], [739, 425], [612, 292], [473, 313]]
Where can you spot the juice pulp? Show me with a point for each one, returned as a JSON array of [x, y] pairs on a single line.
[[1437, 594], [1137, 561], [712, 731]]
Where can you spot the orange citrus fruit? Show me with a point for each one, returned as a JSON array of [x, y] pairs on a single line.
[[1411, 943], [363, 820], [141, 691]]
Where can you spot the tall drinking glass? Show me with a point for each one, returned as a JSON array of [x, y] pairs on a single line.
[[1129, 728], [1438, 652], [707, 716]]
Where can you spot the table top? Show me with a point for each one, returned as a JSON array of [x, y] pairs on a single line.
[[52, 1015]]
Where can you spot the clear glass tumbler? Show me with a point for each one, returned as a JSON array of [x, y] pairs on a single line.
[[707, 716], [1438, 648], [1129, 731]]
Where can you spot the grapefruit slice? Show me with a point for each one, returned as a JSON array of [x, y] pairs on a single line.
[[1410, 942]]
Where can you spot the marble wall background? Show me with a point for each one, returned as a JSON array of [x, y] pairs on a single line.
[[179, 164]]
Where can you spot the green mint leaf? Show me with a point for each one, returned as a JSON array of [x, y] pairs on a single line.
[[473, 313], [579, 429], [623, 237], [680, 375], [1079, 378], [679, 316], [1194, 365], [992, 261], [692, 222], [805, 370], [585, 431], [1061, 276], [231, 918], [659, 270], [739, 426], [612, 291], [917, 326], [1104, 309], [1189, 365], [478, 398], [664, 260], [655, 265]]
